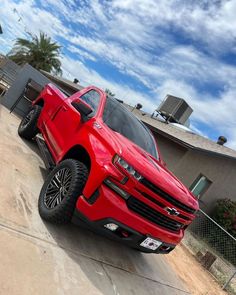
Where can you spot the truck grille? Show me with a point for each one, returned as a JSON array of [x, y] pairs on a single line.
[[153, 215], [166, 196], [162, 205]]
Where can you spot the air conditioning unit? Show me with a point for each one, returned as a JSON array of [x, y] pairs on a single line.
[[175, 109]]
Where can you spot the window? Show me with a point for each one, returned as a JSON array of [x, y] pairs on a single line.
[[119, 119], [92, 98], [200, 185]]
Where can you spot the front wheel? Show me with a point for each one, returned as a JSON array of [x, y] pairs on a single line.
[[61, 190], [28, 127]]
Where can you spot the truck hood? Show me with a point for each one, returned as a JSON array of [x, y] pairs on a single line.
[[152, 169]]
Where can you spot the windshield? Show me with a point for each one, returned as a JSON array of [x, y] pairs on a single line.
[[121, 120]]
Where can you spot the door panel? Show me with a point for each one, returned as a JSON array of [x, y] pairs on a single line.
[[64, 125], [65, 121]]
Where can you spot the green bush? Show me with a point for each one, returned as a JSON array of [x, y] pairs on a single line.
[[225, 215]]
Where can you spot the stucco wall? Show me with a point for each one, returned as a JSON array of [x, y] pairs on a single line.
[[188, 164], [220, 171], [171, 152]]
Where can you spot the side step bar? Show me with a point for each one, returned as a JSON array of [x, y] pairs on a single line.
[[46, 155]]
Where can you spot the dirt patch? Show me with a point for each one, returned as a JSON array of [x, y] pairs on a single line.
[[197, 279]]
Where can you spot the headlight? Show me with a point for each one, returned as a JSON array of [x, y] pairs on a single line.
[[118, 161]]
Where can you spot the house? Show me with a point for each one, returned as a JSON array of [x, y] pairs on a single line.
[[65, 84], [207, 168]]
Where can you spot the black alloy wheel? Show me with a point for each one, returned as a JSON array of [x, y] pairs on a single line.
[[28, 127], [61, 190], [58, 188]]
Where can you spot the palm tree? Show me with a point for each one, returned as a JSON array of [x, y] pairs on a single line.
[[40, 52]]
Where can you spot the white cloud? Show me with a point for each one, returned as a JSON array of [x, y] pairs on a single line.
[[22, 17], [74, 68], [208, 21], [131, 36], [81, 53]]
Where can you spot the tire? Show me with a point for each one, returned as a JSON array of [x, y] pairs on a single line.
[[61, 190], [28, 127]]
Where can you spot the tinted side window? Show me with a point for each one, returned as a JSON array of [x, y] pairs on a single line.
[[92, 98], [119, 119], [110, 107]]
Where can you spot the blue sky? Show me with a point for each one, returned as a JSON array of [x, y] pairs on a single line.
[[143, 50]]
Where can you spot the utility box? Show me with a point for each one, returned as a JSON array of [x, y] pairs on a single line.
[[175, 109]]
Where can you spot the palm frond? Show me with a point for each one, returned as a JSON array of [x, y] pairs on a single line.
[[40, 52]]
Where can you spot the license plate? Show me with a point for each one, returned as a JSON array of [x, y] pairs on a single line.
[[151, 244]]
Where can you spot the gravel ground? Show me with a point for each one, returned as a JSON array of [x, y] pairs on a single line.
[[198, 280]]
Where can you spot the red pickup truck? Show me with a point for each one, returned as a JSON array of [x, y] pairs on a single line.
[[106, 170]]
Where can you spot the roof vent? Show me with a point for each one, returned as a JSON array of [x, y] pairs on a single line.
[[174, 109], [221, 140], [138, 106]]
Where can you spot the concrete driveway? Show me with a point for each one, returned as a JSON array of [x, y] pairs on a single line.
[[39, 258]]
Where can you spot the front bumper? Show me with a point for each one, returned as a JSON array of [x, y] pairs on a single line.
[[133, 240], [110, 206]]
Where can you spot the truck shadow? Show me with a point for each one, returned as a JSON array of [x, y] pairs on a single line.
[[98, 257], [34, 147]]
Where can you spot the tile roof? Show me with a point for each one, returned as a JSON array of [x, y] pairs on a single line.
[[68, 83]]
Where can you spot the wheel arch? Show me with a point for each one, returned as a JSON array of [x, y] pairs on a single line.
[[79, 153], [39, 102]]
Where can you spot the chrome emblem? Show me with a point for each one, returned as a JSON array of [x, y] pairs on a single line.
[[97, 125], [172, 211]]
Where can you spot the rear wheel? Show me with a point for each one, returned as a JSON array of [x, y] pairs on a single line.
[[28, 127], [61, 190]]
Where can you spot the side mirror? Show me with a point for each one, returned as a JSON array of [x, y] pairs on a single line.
[[83, 109]]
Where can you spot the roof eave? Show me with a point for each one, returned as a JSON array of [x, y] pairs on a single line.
[[186, 145]]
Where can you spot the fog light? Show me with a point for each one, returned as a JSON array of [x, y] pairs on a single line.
[[125, 234], [111, 226]]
